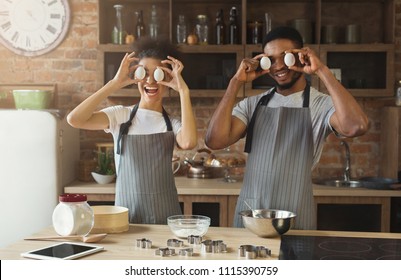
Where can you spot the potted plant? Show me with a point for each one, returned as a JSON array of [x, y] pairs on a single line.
[[104, 172]]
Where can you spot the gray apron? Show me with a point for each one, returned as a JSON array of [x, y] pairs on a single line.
[[279, 166], [145, 182]]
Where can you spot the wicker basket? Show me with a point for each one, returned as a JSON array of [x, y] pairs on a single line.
[[85, 169]]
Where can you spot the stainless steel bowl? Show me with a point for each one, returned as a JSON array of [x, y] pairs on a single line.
[[269, 222]]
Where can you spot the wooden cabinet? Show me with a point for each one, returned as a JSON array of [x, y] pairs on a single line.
[[366, 68], [390, 148]]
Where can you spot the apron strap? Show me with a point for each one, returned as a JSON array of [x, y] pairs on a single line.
[[263, 101], [124, 127]]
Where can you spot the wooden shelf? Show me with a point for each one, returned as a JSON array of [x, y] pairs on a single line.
[[206, 65]]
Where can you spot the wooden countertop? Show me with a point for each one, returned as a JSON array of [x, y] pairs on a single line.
[[122, 246], [189, 186]]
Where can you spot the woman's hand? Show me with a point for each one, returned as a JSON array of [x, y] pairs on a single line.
[[125, 74], [176, 82]]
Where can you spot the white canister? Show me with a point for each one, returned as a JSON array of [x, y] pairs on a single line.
[[73, 215]]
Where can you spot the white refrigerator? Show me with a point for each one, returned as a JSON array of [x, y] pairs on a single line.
[[39, 154]]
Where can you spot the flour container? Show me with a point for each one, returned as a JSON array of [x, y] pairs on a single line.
[[73, 215]]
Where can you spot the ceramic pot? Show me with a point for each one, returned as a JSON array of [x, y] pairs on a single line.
[[103, 179]]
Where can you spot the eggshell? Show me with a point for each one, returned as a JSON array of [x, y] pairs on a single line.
[[158, 75], [289, 59], [140, 73], [265, 63]]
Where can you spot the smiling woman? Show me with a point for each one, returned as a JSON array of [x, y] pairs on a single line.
[[144, 134]]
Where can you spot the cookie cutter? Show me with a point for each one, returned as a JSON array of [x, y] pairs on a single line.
[[175, 243], [213, 246], [187, 252], [194, 239], [253, 252], [164, 252], [143, 243]]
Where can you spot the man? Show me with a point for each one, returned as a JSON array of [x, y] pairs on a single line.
[[285, 126]]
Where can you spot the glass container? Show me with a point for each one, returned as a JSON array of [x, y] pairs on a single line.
[[140, 26], [398, 94], [202, 29], [181, 30], [233, 28], [118, 34], [220, 29], [154, 24], [73, 215]]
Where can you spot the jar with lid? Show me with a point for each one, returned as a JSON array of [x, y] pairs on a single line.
[[73, 215], [202, 29], [398, 94]]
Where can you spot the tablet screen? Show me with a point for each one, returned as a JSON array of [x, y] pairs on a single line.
[[66, 250]]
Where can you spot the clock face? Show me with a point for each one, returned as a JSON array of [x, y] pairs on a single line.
[[33, 27]]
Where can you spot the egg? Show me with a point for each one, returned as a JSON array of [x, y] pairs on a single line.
[[140, 73], [265, 63], [158, 75], [289, 59]]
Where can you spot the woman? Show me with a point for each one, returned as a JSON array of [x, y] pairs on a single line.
[[144, 135]]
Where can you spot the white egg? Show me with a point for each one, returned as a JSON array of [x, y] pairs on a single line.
[[140, 73], [158, 75], [289, 59], [265, 63]]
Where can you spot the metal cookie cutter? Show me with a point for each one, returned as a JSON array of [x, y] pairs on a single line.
[[143, 243], [214, 246], [188, 252], [164, 252], [252, 252], [194, 239], [175, 243]]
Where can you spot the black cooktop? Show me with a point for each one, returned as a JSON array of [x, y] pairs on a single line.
[[338, 248]]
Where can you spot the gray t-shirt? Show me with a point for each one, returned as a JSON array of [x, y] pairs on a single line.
[[321, 107]]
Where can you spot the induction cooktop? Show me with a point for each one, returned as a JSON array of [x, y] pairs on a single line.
[[338, 248]]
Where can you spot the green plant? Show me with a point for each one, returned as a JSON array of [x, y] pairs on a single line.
[[105, 164]]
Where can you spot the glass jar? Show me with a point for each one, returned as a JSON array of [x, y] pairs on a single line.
[[202, 30], [73, 215], [181, 30], [118, 34]]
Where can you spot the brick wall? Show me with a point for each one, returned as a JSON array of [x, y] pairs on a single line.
[[72, 66]]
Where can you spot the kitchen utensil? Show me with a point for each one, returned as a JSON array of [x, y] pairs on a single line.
[[254, 213], [91, 238], [185, 225], [175, 164], [380, 183], [197, 169], [110, 219], [231, 162], [273, 222]]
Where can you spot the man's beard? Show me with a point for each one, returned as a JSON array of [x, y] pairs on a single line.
[[288, 85]]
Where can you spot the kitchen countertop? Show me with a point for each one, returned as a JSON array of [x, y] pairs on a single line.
[[122, 246], [190, 186]]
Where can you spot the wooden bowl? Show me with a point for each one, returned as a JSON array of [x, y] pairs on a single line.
[[110, 219]]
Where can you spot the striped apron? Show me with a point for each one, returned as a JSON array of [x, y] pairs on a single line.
[[145, 182], [278, 171]]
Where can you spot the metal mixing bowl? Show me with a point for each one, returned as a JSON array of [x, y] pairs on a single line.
[[269, 223]]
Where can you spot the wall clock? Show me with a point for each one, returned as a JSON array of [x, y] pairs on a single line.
[[33, 27]]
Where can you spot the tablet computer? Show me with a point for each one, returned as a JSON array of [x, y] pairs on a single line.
[[64, 251]]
